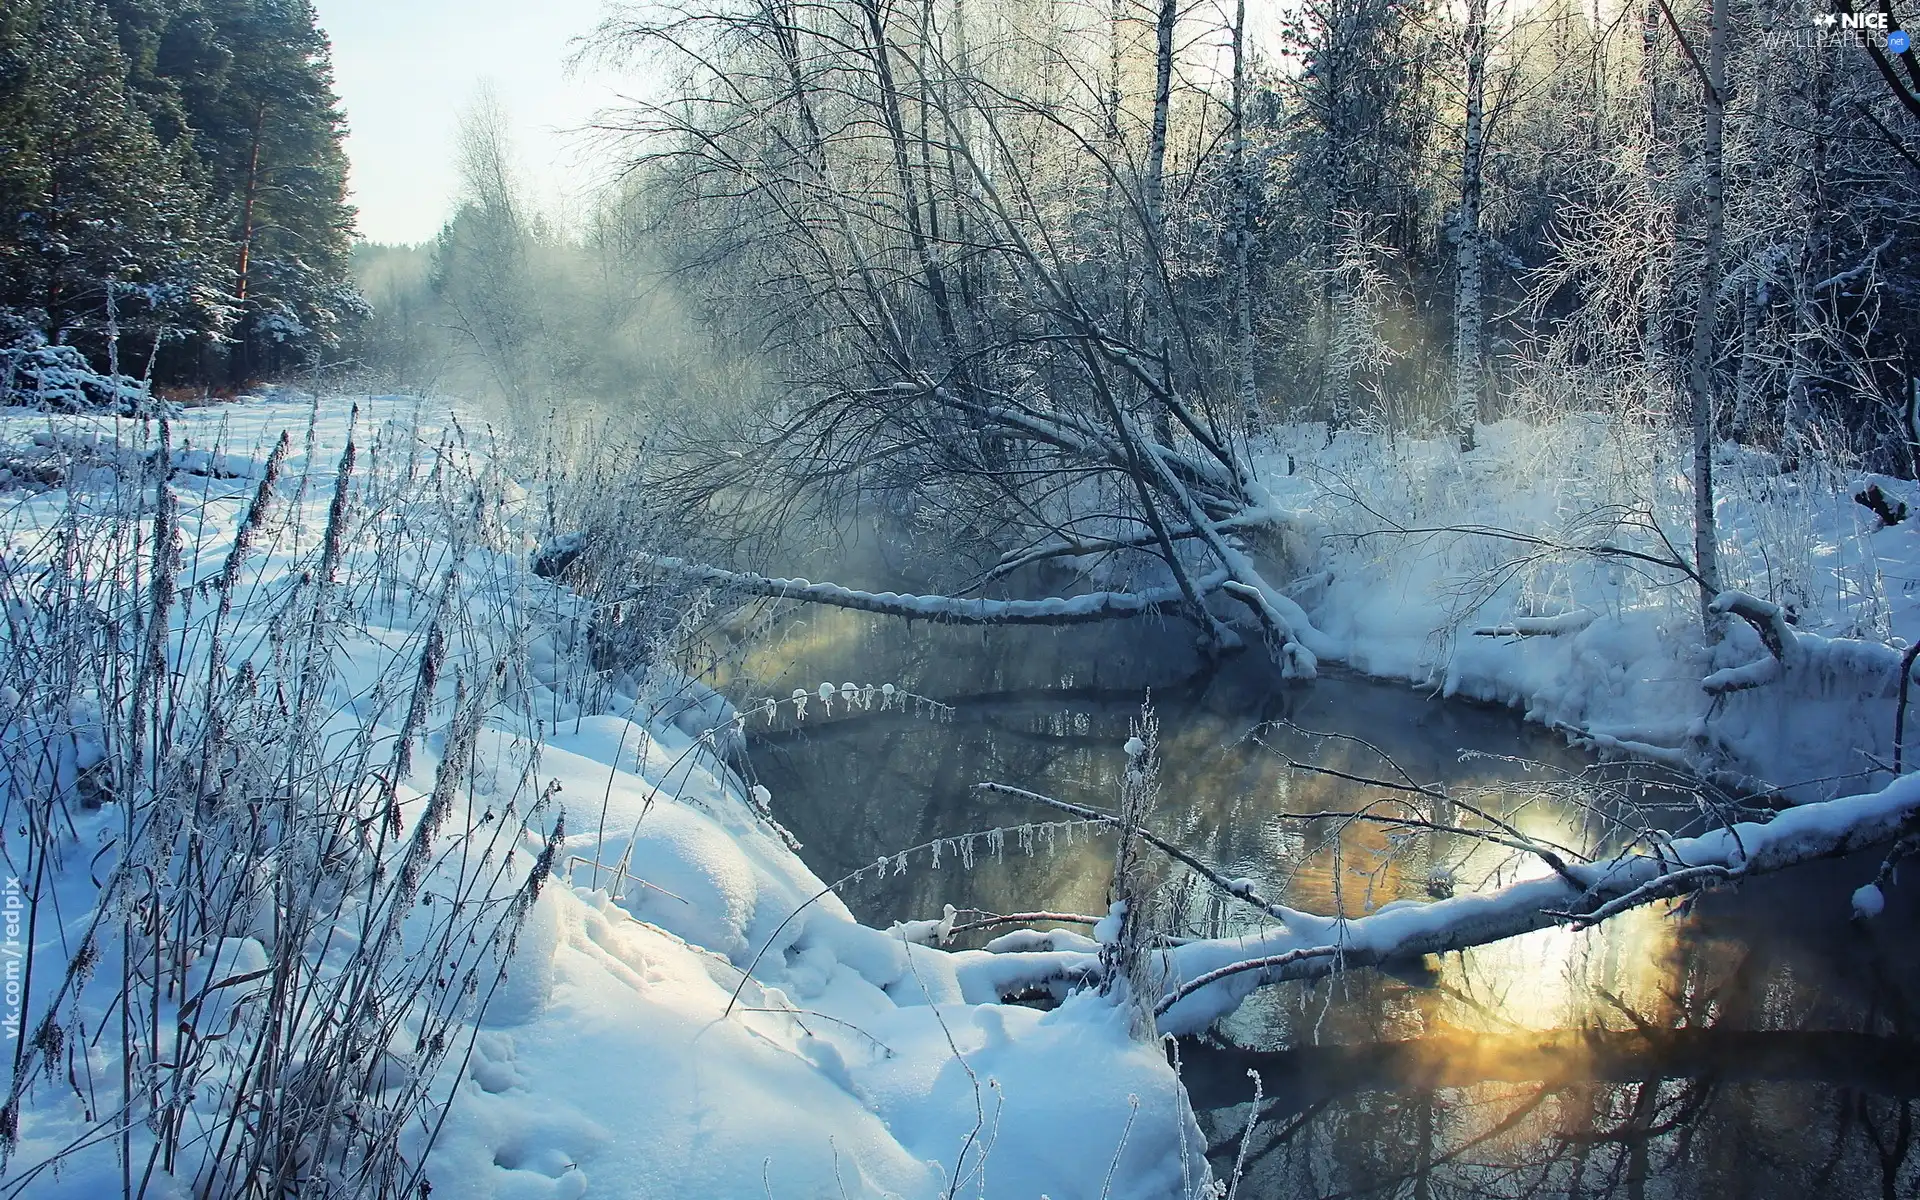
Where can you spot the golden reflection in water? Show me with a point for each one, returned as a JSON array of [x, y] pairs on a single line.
[[1554, 978], [746, 661], [1548, 1064]]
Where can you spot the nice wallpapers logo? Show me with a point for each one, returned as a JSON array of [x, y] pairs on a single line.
[[1870, 25], [1833, 30]]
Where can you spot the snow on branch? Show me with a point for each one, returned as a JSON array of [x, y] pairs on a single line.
[[1558, 625], [1055, 610], [1769, 620], [1207, 979], [1791, 649]]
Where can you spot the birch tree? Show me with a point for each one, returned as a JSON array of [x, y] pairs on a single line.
[[1240, 222], [1700, 381], [1469, 329]]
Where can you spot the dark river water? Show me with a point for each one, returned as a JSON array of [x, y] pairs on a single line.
[[1758, 1043]]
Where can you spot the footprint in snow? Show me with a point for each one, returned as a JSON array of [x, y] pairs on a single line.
[[492, 1066], [543, 1173]]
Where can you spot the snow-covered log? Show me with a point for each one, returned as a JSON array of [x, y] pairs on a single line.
[[1208, 979], [955, 610], [1205, 979], [1558, 625], [1794, 651]]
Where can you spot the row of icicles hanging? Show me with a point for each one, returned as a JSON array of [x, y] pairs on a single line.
[[861, 697]]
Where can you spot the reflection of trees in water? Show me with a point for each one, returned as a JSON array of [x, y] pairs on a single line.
[[1758, 1045], [1742, 1072]]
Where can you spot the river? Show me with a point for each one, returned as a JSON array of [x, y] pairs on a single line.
[[1758, 1043]]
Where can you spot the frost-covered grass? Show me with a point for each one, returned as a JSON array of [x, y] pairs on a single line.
[[1529, 572], [249, 673], [352, 856]]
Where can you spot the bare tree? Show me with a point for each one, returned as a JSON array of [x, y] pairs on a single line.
[[1700, 381], [833, 162]]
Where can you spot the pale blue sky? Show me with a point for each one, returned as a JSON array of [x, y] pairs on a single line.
[[406, 68]]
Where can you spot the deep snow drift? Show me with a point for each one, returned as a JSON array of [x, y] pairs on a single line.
[[606, 1062]]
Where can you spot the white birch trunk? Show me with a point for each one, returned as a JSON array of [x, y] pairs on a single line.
[[1706, 542], [1468, 321], [1155, 184], [1242, 227]]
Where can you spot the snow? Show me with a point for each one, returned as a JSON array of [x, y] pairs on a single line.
[[1307, 945], [626, 1053], [688, 1010], [59, 378], [1868, 900], [976, 611], [1461, 573]]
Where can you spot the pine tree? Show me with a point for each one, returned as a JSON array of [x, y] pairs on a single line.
[[97, 204], [184, 157], [270, 137]]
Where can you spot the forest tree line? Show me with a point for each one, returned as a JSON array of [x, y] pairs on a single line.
[[1395, 211], [1357, 211], [173, 176]]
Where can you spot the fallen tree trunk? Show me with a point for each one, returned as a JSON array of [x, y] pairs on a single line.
[[1409, 929], [952, 610], [1206, 979]]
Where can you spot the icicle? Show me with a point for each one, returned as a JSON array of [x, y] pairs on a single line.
[[886, 696], [770, 707], [847, 693], [826, 697], [866, 697], [966, 853], [936, 854], [900, 863], [799, 704], [997, 843]]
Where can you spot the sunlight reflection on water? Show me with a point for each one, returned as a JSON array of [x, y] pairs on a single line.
[[1754, 1046]]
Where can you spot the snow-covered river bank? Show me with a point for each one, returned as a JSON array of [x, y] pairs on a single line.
[[622, 1052], [1567, 1035], [291, 788]]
